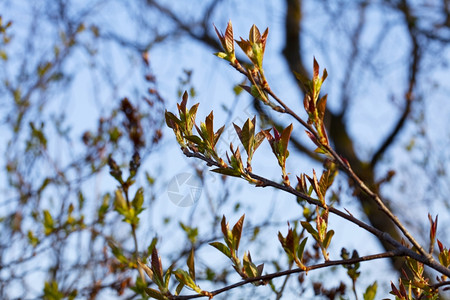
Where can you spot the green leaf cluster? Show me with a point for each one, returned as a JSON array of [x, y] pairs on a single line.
[[320, 234], [279, 144], [232, 238], [314, 106], [293, 247], [249, 140]]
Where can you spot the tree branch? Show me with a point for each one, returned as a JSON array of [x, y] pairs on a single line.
[[265, 278], [292, 48], [423, 257]]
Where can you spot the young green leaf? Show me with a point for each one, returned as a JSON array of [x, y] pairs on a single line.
[[301, 249], [371, 292], [227, 171], [227, 42], [321, 225], [180, 286], [236, 160], [237, 232], [167, 278], [154, 294], [146, 269], [152, 246], [259, 138], [191, 232], [118, 253], [193, 111], [315, 69], [190, 264], [260, 269], [315, 184], [183, 277], [246, 47], [157, 269], [254, 36], [182, 106], [249, 267], [285, 136], [321, 106], [246, 135], [194, 139], [138, 200], [120, 204], [217, 135], [310, 229], [171, 119], [224, 226], [328, 237], [222, 248], [209, 126], [48, 222]]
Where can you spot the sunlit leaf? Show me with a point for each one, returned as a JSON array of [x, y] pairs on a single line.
[[228, 38], [227, 171], [154, 293], [182, 105], [138, 200], [190, 264], [264, 39], [328, 237], [237, 232], [224, 226], [310, 229], [209, 126], [250, 268], [180, 286], [194, 139], [120, 203], [246, 47], [146, 269], [48, 222], [183, 277], [259, 138], [171, 119], [218, 134], [285, 136], [157, 268], [301, 249], [167, 276], [371, 292], [222, 248], [254, 36], [321, 107], [193, 111]]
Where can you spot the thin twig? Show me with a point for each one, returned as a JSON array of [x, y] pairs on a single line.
[[283, 286], [265, 278], [440, 284]]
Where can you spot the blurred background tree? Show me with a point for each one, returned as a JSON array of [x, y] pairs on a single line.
[[68, 66]]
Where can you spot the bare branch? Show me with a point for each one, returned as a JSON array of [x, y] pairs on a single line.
[[409, 95], [292, 48]]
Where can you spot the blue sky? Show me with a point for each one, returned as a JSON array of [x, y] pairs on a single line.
[[117, 73]]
